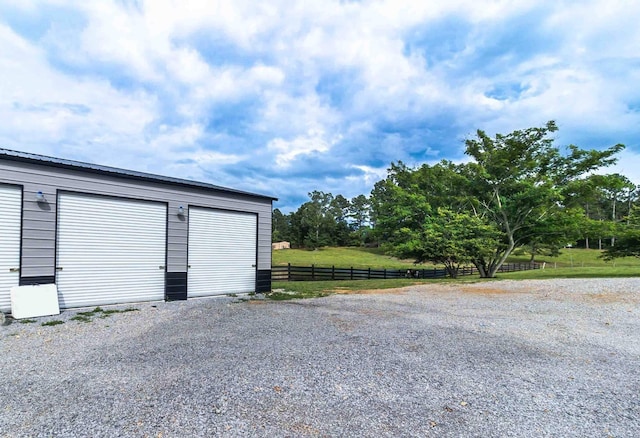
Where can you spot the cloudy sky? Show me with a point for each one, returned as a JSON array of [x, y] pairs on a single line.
[[285, 97]]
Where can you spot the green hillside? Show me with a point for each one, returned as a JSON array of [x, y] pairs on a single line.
[[374, 258], [360, 258]]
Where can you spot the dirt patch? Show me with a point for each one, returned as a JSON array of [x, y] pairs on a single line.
[[395, 291], [484, 290], [612, 297]]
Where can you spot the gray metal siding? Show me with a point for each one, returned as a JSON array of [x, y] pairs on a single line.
[[39, 220]]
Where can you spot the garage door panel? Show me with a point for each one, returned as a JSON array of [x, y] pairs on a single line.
[[222, 252], [10, 208], [110, 250]]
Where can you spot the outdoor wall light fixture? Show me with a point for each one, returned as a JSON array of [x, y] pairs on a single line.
[[40, 197], [181, 211]]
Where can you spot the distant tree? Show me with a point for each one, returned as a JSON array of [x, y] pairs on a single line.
[[359, 212], [614, 188], [313, 219], [583, 193], [321, 221], [281, 226], [359, 219], [548, 235], [339, 214], [628, 243], [605, 198]]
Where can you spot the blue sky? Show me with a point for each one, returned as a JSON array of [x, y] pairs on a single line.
[[283, 97]]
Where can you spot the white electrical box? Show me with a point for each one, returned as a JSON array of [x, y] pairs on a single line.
[[36, 300]]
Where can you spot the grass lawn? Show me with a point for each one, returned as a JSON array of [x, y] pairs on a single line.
[[580, 258], [571, 263], [575, 272], [283, 290], [360, 258]]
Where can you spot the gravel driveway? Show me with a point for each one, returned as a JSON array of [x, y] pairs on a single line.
[[502, 358]]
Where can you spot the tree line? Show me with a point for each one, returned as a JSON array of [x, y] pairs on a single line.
[[518, 191], [325, 220]]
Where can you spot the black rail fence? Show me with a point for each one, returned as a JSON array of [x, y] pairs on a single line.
[[315, 273]]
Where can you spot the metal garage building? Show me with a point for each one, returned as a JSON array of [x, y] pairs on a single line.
[[105, 235]]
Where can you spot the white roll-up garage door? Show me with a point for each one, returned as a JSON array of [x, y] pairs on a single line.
[[109, 250], [11, 210], [222, 252]]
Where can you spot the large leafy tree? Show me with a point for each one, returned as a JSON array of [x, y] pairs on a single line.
[[514, 183], [398, 203], [518, 179], [449, 238]]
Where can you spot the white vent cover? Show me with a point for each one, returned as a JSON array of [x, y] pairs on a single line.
[[32, 301]]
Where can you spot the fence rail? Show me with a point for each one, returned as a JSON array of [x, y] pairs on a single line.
[[315, 273]]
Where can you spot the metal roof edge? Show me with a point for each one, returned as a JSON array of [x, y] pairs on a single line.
[[124, 173]]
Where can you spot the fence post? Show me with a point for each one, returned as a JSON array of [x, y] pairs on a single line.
[[352, 272], [369, 274], [385, 273], [333, 272], [288, 271], [313, 272]]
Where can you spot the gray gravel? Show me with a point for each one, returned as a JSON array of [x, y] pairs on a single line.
[[527, 358]]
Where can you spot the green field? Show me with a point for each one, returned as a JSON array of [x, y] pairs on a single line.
[[374, 258], [360, 258], [571, 263]]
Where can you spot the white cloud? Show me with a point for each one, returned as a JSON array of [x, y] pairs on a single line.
[[628, 165], [217, 158], [288, 150], [370, 175], [192, 87], [42, 108]]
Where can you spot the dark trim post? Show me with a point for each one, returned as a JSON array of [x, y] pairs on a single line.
[[175, 286], [263, 281]]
